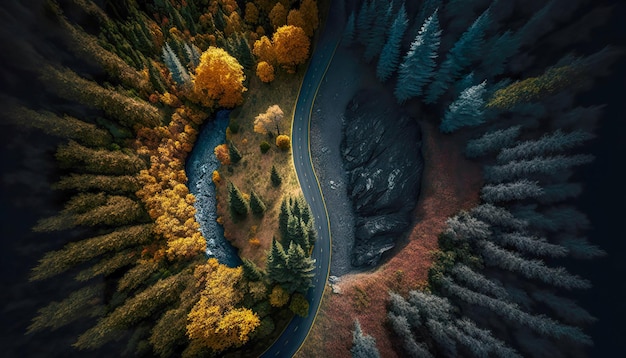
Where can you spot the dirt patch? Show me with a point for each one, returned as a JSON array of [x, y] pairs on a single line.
[[450, 183]]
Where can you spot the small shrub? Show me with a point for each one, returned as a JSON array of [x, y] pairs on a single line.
[[299, 305], [265, 146], [283, 142], [234, 127]]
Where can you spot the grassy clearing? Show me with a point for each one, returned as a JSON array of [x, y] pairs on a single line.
[[253, 171]]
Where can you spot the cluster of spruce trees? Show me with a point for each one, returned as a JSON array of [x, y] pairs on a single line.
[[293, 268], [497, 283]]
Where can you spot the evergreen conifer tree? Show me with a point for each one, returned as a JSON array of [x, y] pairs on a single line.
[[275, 177], [251, 271], [348, 32], [466, 50], [178, 72], [378, 31], [256, 204], [364, 20], [390, 55], [277, 264], [492, 141], [363, 345], [283, 218], [300, 268], [238, 205], [234, 153], [466, 111], [419, 63]]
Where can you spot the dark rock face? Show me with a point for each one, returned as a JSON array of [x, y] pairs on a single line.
[[381, 151]]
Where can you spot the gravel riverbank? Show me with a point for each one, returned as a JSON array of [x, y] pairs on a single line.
[[342, 81]]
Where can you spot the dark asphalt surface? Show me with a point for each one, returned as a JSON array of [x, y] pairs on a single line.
[[297, 330]]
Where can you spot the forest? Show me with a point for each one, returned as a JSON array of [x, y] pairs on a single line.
[[137, 82], [501, 90]]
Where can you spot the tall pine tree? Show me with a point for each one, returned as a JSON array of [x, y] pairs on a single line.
[[466, 111], [419, 63], [465, 51], [238, 205], [390, 55]]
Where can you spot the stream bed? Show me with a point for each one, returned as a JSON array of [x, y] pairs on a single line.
[[200, 166]]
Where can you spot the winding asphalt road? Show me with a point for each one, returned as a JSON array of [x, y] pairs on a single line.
[[298, 329]]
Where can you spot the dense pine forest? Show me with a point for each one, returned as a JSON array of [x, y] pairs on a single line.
[[483, 70]]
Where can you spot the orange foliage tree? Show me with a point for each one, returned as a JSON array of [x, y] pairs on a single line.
[[222, 153], [218, 79], [310, 15], [265, 71], [264, 50], [216, 321], [295, 18], [278, 16], [283, 142], [291, 46], [251, 14]]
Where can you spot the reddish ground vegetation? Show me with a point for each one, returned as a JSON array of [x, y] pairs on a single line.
[[450, 183]]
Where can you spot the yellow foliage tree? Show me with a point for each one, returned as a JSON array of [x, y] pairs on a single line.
[[218, 79], [291, 46], [278, 16], [215, 322], [310, 14], [295, 18], [265, 71], [264, 50], [217, 178], [279, 297], [269, 121], [283, 142]]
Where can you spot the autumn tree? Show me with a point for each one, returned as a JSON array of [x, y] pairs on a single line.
[[264, 50], [265, 71], [283, 142], [294, 18], [292, 46], [222, 154], [218, 79], [279, 297], [310, 15], [269, 122], [216, 321], [278, 16], [251, 14]]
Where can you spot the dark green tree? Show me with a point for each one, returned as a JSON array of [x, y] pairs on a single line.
[[234, 153], [275, 177], [238, 205], [251, 271], [277, 264], [283, 218], [256, 204], [300, 268]]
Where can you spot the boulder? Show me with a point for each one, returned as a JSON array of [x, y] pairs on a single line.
[[381, 151]]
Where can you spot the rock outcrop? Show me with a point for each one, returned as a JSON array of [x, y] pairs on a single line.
[[381, 151]]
